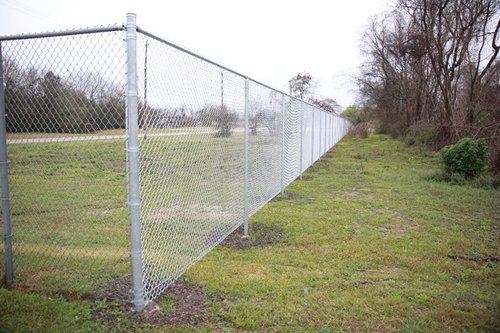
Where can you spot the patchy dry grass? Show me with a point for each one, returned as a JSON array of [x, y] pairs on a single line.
[[367, 243], [367, 248]]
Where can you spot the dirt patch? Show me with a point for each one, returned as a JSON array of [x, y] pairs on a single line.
[[258, 235], [330, 154], [118, 290], [192, 306], [359, 156], [307, 177], [101, 212], [16, 286], [287, 196], [421, 312], [194, 211], [490, 258], [391, 231], [388, 271], [354, 231], [472, 303], [348, 195]]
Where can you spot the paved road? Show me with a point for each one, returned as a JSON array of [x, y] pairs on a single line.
[[104, 137], [93, 137]]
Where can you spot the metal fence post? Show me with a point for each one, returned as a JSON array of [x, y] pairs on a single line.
[[336, 134], [283, 113], [327, 120], [333, 130], [326, 131], [245, 178], [301, 139], [332, 118], [312, 136], [133, 166], [4, 164], [320, 128]]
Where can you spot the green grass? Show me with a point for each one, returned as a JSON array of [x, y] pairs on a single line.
[[68, 201], [69, 218], [366, 249]]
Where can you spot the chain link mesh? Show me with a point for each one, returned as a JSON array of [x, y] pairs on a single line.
[[191, 148], [65, 123], [192, 144], [66, 139]]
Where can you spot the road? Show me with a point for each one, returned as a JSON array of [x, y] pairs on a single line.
[[93, 137]]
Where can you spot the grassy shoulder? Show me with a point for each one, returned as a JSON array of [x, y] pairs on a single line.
[[366, 247]]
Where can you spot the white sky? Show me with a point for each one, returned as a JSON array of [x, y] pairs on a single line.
[[268, 40]]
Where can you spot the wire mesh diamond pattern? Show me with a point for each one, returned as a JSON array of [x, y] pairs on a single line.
[[214, 147]]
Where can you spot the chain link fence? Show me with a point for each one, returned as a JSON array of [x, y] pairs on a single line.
[[94, 116], [65, 122]]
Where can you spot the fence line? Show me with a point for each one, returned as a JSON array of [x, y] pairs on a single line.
[[6, 220], [206, 147]]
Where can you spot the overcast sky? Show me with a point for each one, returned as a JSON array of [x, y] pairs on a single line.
[[268, 40]]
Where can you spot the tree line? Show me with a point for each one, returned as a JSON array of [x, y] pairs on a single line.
[[432, 71], [41, 101]]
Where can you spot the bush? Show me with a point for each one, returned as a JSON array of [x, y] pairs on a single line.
[[222, 119], [355, 114], [484, 180], [360, 130], [410, 140], [394, 130], [225, 122], [468, 157], [423, 133]]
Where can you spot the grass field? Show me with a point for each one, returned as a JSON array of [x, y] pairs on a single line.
[[366, 247], [69, 209]]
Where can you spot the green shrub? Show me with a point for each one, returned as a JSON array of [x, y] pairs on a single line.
[[394, 130], [426, 137], [355, 114], [468, 157], [410, 141], [486, 181]]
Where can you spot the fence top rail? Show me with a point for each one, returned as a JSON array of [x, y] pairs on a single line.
[[63, 33]]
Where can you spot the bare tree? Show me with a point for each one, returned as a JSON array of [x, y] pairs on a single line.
[[433, 62], [302, 86], [327, 104], [455, 36]]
